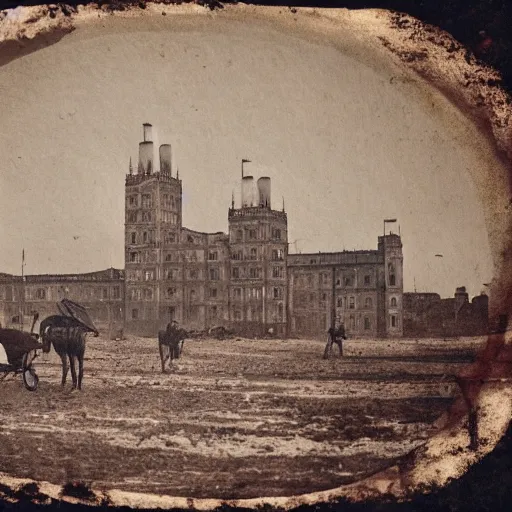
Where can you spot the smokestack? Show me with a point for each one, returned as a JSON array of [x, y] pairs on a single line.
[[148, 132], [255, 194], [165, 159], [146, 152], [247, 191], [264, 192]]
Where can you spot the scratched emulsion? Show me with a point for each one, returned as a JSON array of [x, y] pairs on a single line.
[[432, 72]]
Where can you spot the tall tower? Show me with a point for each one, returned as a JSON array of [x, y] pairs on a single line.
[[391, 297], [258, 240], [153, 219]]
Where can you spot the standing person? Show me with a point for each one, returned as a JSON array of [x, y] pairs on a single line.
[[336, 335], [339, 336]]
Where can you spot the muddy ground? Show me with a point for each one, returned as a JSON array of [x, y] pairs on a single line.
[[234, 418]]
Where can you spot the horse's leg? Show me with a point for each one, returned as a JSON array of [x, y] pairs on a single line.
[[171, 348], [73, 370], [163, 355], [80, 370], [328, 347], [64, 360]]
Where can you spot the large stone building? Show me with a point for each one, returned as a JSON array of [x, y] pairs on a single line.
[[244, 280], [362, 288]]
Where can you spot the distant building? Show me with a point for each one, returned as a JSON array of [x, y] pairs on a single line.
[[102, 293], [244, 280], [361, 288], [427, 315]]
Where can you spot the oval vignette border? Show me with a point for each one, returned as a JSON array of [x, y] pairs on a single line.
[[430, 56]]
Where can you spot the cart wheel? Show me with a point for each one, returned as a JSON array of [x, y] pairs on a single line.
[[30, 378]]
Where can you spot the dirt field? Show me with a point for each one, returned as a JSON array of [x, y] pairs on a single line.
[[235, 418]]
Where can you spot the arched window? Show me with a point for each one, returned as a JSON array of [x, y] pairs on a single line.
[[393, 302], [368, 303], [391, 273]]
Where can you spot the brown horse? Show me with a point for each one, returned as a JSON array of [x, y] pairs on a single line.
[[69, 342]]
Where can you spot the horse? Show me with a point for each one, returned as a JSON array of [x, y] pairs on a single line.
[[69, 342], [62, 321], [170, 345]]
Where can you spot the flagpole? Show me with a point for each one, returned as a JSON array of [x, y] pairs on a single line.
[[22, 301]]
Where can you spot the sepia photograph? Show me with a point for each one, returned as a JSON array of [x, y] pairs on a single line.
[[246, 254]]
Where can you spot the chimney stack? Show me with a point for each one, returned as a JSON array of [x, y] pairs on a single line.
[[264, 192], [165, 159], [148, 132], [146, 152], [247, 191]]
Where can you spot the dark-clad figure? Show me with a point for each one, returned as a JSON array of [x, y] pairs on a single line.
[[170, 342], [336, 335]]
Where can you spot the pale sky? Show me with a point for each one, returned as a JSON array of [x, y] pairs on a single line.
[[343, 143]]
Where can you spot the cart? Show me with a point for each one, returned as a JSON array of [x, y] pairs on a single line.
[[19, 350]]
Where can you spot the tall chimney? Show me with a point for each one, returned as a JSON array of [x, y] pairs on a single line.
[[264, 192], [148, 132], [247, 191], [165, 159], [146, 152]]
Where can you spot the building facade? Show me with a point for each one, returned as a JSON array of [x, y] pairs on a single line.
[[364, 289], [244, 280], [102, 293], [427, 315]]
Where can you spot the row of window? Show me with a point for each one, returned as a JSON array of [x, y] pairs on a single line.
[[353, 323], [133, 217], [193, 313], [309, 281], [276, 292], [146, 201], [254, 314], [148, 216], [172, 274], [341, 302], [191, 256], [135, 294], [142, 257], [169, 217], [146, 237], [255, 234], [253, 254], [86, 292]]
